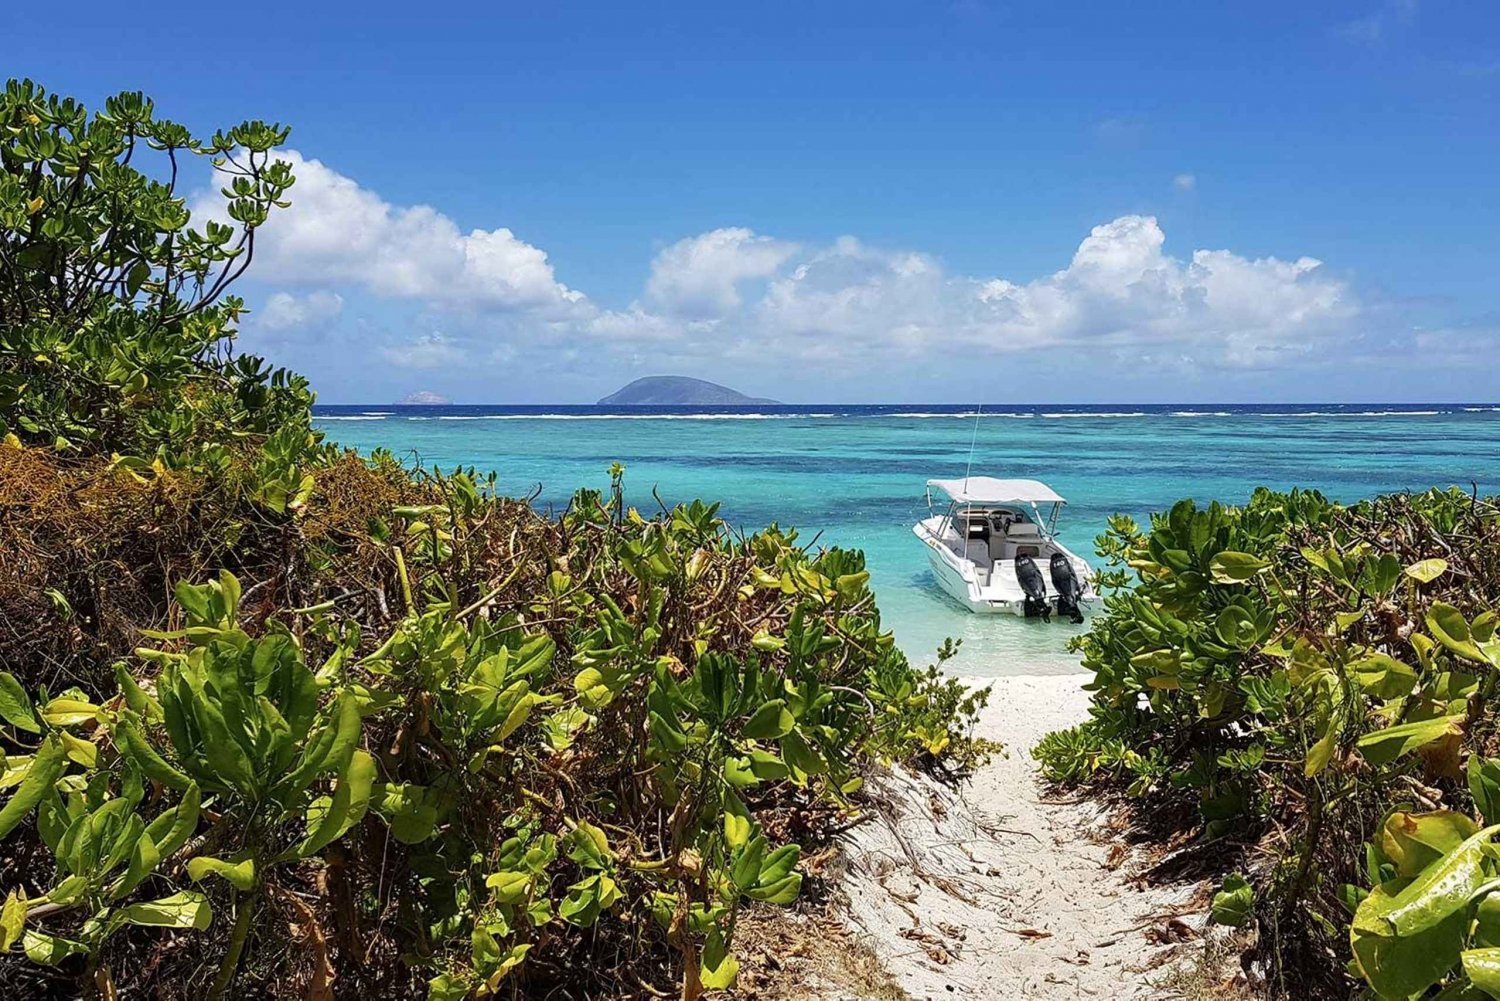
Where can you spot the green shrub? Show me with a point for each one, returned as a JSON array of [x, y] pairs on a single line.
[[413, 737], [115, 317], [1314, 677], [648, 730]]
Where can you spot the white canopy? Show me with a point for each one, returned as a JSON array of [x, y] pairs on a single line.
[[988, 490]]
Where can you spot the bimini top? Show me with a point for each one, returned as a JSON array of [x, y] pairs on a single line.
[[988, 490]]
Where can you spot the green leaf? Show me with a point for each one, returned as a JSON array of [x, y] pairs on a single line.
[[1442, 889], [1487, 922], [347, 806], [782, 891], [171, 830], [1383, 676], [510, 886], [48, 950], [719, 967], [144, 858], [587, 899], [132, 743], [67, 711], [779, 864], [737, 829], [15, 706], [241, 875], [1231, 567], [136, 697], [1397, 967], [1413, 841], [1321, 752], [1234, 902], [412, 811], [46, 767], [12, 920], [1384, 746], [1482, 967], [83, 752], [185, 909], [1427, 571], [1448, 627], [449, 987], [589, 846], [1484, 786], [771, 720], [745, 873]]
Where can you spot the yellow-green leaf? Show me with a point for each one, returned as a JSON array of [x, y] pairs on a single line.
[[240, 875], [185, 909], [1427, 570], [63, 711], [1413, 841], [12, 919], [1231, 567], [1384, 746], [1482, 967], [15, 706]]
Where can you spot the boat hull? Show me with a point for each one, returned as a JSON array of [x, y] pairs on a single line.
[[1001, 594]]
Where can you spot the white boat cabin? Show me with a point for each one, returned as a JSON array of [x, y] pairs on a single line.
[[994, 542]]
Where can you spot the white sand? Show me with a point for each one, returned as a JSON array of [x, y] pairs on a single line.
[[988, 892]]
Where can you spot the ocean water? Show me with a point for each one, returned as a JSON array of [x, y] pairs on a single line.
[[855, 476]]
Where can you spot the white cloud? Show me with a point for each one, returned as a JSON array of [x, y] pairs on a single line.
[[338, 232], [1185, 182], [427, 351], [841, 307], [700, 276], [284, 311], [1120, 291]]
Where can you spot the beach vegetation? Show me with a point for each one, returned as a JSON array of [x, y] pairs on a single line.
[[1311, 685], [280, 720]]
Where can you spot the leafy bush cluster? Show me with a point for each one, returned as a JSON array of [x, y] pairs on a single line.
[[637, 726], [1317, 680], [115, 317], [282, 721]]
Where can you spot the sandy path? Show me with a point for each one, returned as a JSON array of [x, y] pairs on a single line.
[[989, 892]]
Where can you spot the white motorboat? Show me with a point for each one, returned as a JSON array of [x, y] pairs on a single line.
[[990, 547]]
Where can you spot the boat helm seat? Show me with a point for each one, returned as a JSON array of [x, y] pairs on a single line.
[[997, 547]]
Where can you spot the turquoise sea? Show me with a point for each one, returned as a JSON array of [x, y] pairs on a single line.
[[855, 475]]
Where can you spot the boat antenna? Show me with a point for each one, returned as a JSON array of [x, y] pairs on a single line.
[[974, 438]]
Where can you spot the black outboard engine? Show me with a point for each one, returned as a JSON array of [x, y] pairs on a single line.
[[1030, 579], [1065, 583]]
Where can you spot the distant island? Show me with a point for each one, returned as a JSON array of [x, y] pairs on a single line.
[[678, 390], [425, 398]]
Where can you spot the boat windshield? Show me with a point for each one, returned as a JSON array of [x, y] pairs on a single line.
[[970, 521]]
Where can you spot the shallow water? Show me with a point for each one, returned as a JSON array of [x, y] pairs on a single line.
[[855, 476]]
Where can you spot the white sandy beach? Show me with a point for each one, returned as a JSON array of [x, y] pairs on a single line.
[[996, 890]]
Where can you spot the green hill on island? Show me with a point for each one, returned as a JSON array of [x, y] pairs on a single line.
[[678, 390]]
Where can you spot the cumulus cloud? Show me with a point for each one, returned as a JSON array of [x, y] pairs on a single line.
[[1120, 290], [701, 275], [737, 294], [427, 351], [339, 232], [1185, 182], [283, 311]]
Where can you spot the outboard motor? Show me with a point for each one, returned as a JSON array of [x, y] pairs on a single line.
[[1065, 583], [1030, 579]]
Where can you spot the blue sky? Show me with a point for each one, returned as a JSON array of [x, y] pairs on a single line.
[[851, 201]]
